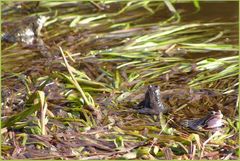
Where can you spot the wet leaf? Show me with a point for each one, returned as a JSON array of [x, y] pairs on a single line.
[[143, 151], [119, 142], [130, 155]]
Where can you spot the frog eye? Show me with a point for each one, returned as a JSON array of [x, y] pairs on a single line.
[[153, 86], [212, 112]]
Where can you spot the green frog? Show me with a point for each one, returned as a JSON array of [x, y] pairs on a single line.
[[213, 121], [26, 31], [152, 103]]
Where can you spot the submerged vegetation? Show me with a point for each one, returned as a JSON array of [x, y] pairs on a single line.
[[68, 92]]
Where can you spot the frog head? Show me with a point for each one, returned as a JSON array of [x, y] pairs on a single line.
[[215, 120]]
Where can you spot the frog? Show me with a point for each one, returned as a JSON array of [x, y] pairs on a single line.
[[26, 31], [152, 103], [211, 122]]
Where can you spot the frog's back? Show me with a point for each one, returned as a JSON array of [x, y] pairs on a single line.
[[194, 124]]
